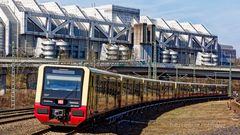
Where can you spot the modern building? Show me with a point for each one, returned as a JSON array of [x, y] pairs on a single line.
[[227, 54], [47, 30]]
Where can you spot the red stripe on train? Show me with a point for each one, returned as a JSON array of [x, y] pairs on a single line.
[[74, 120]]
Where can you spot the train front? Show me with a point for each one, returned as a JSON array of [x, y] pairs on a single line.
[[60, 96]]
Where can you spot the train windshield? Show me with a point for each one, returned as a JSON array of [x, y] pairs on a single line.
[[62, 83]]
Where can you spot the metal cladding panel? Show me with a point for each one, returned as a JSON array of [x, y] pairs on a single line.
[[146, 19], [107, 12], [74, 11], [188, 27], [175, 25], [118, 20], [126, 15], [29, 5], [11, 27], [2, 38], [161, 23], [93, 14], [184, 38], [119, 9], [201, 29], [6, 22], [53, 8], [4, 1]]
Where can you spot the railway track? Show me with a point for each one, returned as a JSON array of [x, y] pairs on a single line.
[[43, 131], [9, 116], [89, 127], [15, 110], [54, 130], [66, 130]]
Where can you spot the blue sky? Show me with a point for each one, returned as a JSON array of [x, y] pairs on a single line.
[[221, 17]]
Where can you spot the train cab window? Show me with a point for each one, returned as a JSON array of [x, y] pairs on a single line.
[[62, 83]]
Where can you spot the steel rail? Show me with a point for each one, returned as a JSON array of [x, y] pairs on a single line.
[[14, 115], [16, 119], [15, 110]]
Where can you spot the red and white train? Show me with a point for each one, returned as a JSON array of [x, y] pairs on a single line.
[[69, 95]]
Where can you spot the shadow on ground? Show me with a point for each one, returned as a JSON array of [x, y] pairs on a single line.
[[132, 124]]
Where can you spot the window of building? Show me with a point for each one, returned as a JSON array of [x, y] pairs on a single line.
[[82, 55]]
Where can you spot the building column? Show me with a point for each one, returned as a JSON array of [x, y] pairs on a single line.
[[176, 40], [190, 42]]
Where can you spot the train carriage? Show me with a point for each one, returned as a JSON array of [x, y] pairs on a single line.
[[69, 95]]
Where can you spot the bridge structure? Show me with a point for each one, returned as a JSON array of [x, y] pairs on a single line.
[[29, 67], [183, 70], [132, 67]]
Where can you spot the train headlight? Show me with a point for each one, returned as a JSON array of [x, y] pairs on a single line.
[[78, 113], [42, 111]]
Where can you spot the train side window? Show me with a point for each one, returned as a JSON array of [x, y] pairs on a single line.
[[92, 80]]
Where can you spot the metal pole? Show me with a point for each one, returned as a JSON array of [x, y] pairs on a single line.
[[149, 68], [230, 78], [13, 78], [215, 77], [155, 61], [176, 86], [194, 74], [176, 73]]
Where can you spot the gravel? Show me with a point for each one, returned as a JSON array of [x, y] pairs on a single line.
[[26, 127], [212, 118]]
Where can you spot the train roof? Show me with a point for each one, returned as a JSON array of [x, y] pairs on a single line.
[[121, 76]]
